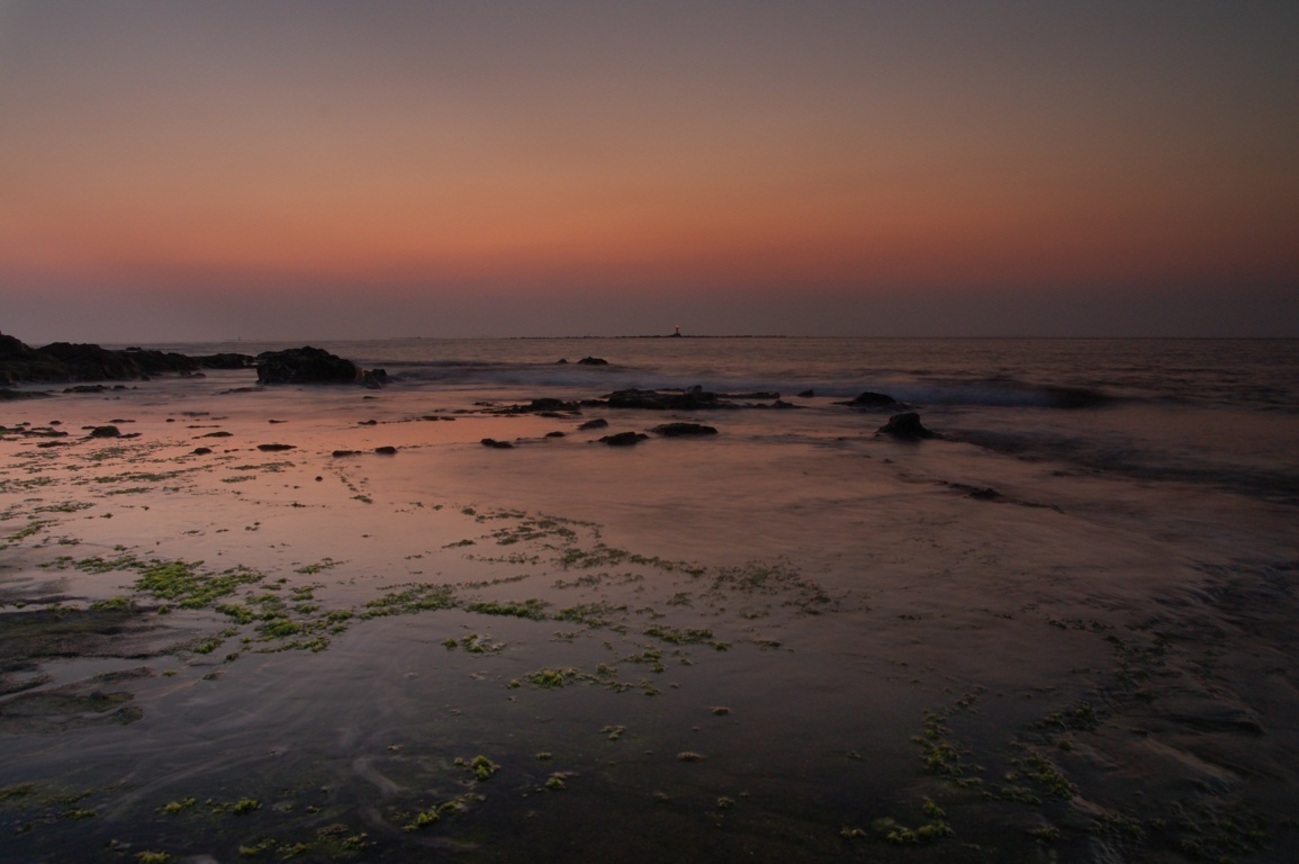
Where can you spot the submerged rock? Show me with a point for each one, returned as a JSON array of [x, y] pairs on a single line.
[[374, 378], [624, 439], [870, 399], [105, 432], [386, 450], [906, 426], [676, 430], [498, 445], [592, 361], [272, 448], [598, 423]]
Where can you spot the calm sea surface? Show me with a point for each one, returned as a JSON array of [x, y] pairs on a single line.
[[1223, 412]]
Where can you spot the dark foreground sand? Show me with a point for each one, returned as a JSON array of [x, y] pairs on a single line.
[[785, 644]]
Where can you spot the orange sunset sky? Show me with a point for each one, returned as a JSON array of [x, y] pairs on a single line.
[[177, 170]]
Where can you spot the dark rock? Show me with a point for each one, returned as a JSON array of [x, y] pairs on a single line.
[[598, 423], [44, 444], [6, 394], [202, 451], [592, 361], [272, 448], [220, 434], [305, 365], [1076, 397], [499, 445], [105, 432], [367, 422], [624, 439], [562, 361], [869, 399], [687, 400], [86, 388], [555, 434], [676, 430], [551, 405], [386, 451], [807, 394], [906, 426], [374, 378], [339, 454]]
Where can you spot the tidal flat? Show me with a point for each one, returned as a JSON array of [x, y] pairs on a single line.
[[323, 624]]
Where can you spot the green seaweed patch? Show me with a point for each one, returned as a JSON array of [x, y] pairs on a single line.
[[603, 555], [431, 816], [592, 614], [1044, 774], [240, 613], [140, 477], [1211, 832], [688, 636], [115, 604], [940, 752], [411, 599], [150, 856], [474, 644], [531, 609], [1082, 718], [30, 529], [65, 507], [551, 679], [480, 767], [319, 566], [179, 805], [191, 587]]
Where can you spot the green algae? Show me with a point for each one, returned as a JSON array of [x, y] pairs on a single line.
[[532, 609]]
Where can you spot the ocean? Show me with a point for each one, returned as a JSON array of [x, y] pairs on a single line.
[[303, 622], [1219, 411]]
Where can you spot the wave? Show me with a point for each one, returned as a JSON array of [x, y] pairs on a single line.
[[570, 377]]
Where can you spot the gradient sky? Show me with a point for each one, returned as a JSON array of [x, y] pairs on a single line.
[[178, 170]]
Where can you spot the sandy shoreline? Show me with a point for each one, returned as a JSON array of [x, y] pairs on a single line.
[[772, 645]]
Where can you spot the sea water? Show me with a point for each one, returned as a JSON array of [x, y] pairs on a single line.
[[1092, 562], [1216, 411]]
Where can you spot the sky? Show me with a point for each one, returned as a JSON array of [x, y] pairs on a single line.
[[181, 171]]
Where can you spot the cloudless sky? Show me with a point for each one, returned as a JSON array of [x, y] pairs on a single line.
[[177, 170]]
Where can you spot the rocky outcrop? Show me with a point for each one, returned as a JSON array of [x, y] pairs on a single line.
[[907, 427], [693, 399], [871, 399], [305, 365], [68, 361], [592, 361]]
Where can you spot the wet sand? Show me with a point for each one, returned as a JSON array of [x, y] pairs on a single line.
[[795, 641]]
